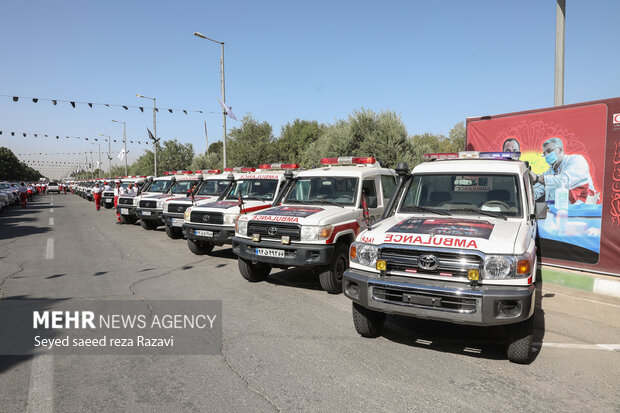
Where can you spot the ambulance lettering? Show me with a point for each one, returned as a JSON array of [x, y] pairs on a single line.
[[432, 240]]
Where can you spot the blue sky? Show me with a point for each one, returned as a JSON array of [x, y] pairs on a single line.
[[433, 62]]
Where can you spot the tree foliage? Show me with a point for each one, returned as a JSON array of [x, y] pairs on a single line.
[[294, 139], [12, 169], [174, 156], [250, 143]]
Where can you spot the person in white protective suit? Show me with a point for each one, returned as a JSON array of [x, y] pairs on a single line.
[[569, 171]]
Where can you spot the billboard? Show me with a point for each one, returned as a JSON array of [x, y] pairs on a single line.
[[574, 154]]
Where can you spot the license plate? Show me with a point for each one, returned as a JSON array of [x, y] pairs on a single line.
[[146, 213], [108, 201], [177, 222], [268, 252], [124, 211], [203, 233]]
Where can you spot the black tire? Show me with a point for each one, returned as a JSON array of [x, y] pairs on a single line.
[[330, 277], [368, 323], [125, 219], [174, 233], [108, 205], [519, 341], [199, 247], [253, 272], [148, 225]]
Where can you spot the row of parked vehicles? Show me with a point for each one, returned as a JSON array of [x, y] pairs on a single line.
[[454, 240], [9, 194]]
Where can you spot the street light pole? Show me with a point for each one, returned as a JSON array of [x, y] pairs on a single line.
[[223, 87], [124, 142], [154, 130], [560, 19]]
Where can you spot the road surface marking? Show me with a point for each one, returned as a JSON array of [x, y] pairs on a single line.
[[587, 299], [41, 390], [49, 250], [51, 220], [605, 347], [607, 287], [51, 210]]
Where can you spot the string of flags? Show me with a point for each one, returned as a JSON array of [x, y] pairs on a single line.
[[51, 153], [37, 135], [74, 104]]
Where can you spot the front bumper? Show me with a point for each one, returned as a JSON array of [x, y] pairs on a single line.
[[167, 218], [484, 305], [221, 234], [295, 255], [150, 214], [107, 201], [131, 210]]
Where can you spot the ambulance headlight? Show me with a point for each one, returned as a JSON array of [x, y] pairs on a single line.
[[316, 233], [364, 254], [230, 218], [187, 214], [498, 267], [160, 204], [166, 207], [242, 228], [136, 200]]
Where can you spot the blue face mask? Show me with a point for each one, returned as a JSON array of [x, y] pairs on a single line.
[[551, 158]]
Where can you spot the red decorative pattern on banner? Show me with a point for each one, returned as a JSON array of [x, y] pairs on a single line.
[[615, 189]]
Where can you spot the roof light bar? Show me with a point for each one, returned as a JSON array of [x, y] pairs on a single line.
[[279, 166], [348, 160], [238, 169], [515, 156], [444, 155], [210, 171]]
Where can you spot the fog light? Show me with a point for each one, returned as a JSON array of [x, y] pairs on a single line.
[[381, 265], [256, 237], [510, 308], [352, 288], [473, 275], [286, 240]]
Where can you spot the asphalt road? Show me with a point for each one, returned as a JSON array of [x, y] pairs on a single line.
[[287, 345]]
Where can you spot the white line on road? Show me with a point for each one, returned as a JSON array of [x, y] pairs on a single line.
[[49, 250], [51, 220], [606, 347], [607, 287], [51, 210], [587, 299], [41, 390]]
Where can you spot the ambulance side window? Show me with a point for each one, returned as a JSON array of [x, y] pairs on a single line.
[[369, 188], [388, 184]]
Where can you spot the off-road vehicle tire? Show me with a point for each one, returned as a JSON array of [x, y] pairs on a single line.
[[174, 233], [368, 323], [253, 272], [199, 247], [519, 341], [330, 276]]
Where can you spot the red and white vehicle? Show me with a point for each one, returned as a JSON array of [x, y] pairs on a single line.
[[213, 223], [175, 184], [315, 221], [460, 248], [213, 184]]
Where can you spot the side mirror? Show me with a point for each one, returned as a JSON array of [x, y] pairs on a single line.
[[372, 202], [541, 210]]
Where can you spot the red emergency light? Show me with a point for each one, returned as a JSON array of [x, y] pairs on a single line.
[[210, 171], [279, 166], [348, 160], [444, 155], [238, 169]]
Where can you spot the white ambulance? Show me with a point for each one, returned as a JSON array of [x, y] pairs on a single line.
[[214, 183], [315, 221], [460, 248], [213, 223]]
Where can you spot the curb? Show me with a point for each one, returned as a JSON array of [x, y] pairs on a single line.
[[588, 283]]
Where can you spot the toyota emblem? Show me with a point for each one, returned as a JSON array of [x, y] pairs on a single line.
[[205, 218], [273, 231], [428, 262]]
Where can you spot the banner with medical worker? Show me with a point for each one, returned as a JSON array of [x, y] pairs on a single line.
[[574, 154]]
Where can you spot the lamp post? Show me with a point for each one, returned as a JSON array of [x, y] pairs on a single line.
[[99, 162], [154, 129], [109, 153], [124, 142], [222, 84]]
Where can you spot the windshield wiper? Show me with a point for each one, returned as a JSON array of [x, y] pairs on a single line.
[[322, 201], [426, 209], [295, 201], [481, 212]]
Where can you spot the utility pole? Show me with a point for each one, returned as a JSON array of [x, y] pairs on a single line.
[[154, 129], [206, 138], [560, 19], [124, 141]]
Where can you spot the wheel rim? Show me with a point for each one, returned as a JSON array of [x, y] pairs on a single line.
[[339, 270]]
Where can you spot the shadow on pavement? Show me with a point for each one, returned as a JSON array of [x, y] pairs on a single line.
[[15, 230], [296, 278]]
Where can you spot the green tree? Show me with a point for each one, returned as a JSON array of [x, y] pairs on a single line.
[[174, 156], [211, 160], [144, 165], [12, 169], [294, 139], [216, 147], [457, 138], [249, 144], [386, 139], [334, 141]]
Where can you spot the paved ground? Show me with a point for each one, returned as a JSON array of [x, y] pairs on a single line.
[[287, 345]]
